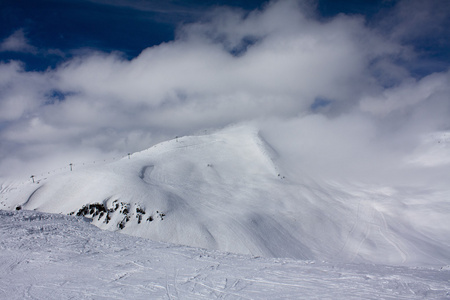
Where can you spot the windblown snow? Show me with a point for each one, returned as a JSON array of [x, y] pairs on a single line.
[[224, 191]]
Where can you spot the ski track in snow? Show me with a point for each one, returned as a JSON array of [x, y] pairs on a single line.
[[46, 256]]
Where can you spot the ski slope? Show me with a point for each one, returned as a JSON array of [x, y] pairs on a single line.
[[226, 191], [52, 256]]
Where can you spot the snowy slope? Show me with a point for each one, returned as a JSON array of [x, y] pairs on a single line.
[[225, 191], [45, 256]]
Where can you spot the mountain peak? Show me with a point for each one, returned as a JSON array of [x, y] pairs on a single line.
[[224, 191]]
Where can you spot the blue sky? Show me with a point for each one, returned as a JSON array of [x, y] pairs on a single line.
[[131, 26], [96, 78]]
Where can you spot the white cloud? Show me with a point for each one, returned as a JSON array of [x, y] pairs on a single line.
[[17, 42], [412, 19], [21, 92], [410, 93], [270, 65]]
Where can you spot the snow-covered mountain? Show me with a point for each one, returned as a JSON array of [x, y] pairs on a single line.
[[225, 191]]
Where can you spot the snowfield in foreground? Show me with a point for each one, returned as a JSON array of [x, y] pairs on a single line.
[[50, 256]]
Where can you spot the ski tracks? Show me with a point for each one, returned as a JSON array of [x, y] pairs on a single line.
[[370, 231], [384, 232]]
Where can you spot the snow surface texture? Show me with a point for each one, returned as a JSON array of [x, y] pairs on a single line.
[[224, 191], [52, 256]]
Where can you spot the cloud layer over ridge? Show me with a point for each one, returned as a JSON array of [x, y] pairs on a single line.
[[336, 95]]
